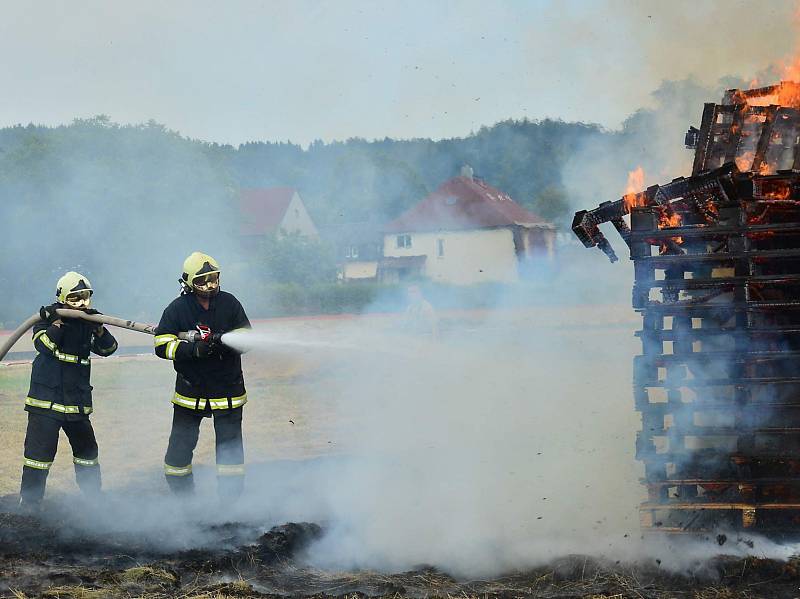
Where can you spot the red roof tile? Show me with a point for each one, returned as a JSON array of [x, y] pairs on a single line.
[[464, 203], [263, 209]]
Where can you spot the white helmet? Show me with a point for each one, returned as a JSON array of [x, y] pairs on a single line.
[[74, 290]]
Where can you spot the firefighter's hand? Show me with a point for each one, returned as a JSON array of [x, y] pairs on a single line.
[[48, 313], [91, 311], [202, 349]]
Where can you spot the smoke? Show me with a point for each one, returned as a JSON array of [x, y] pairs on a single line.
[[461, 449], [122, 205], [503, 444]]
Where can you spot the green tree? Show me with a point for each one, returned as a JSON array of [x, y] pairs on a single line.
[[551, 204], [293, 258]]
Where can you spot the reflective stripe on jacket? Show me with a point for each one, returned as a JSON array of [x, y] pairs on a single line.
[[217, 380], [60, 376]]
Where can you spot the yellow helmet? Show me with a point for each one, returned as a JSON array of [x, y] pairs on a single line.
[[201, 274], [74, 290]]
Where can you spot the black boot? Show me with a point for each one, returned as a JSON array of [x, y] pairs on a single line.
[[181, 485], [89, 480], [32, 487], [229, 488], [29, 507]]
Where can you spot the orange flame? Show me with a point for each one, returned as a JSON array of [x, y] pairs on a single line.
[[632, 195], [765, 169], [745, 160], [668, 218], [791, 67], [779, 192]]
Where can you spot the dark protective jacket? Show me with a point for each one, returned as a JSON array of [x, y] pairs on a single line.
[[215, 381], [61, 370]]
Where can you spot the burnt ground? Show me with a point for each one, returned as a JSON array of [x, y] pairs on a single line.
[[47, 556]]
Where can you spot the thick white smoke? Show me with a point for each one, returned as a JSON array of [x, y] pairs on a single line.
[[506, 442]]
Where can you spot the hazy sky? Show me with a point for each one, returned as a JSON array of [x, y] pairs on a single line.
[[244, 70]]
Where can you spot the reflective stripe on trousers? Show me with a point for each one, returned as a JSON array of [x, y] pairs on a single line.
[[177, 470], [56, 407], [37, 464], [230, 469], [216, 403]]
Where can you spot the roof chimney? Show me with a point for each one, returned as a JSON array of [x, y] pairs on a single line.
[[466, 171]]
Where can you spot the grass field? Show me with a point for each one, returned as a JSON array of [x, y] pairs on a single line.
[[495, 411], [133, 415], [507, 444]]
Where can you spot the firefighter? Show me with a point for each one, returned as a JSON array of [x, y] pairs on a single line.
[[209, 381], [60, 396], [420, 317]]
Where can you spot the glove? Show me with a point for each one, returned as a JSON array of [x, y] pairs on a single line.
[[202, 349], [217, 348], [48, 313], [98, 330]]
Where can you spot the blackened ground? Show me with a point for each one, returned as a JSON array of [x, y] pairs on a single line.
[[47, 556]]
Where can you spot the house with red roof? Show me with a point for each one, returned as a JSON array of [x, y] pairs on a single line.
[[465, 232], [270, 210]]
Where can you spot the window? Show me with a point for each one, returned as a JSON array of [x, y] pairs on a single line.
[[404, 241], [440, 248], [354, 251]]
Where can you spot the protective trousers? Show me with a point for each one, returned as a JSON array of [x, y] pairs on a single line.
[[41, 442], [229, 449]]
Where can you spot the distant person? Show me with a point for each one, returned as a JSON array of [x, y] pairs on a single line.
[[209, 378], [60, 396], [420, 317]]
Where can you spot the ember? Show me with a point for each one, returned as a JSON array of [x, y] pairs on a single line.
[[718, 381]]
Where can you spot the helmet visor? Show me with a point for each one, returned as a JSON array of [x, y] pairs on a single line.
[[79, 299], [208, 282]]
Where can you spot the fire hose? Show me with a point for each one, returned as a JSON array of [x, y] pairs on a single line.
[[131, 325]]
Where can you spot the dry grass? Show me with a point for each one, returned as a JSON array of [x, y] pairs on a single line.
[[720, 593], [78, 592], [133, 415], [148, 575]]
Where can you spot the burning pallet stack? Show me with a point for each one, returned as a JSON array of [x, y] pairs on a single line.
[[717, 281]]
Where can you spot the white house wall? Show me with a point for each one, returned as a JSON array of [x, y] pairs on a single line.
[[360, 270], [298, 219], [476, 256]]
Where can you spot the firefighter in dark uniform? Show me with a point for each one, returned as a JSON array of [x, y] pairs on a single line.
[[209, 380], [60, 396]]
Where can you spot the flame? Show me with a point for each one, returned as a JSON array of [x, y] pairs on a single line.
[[669, 218], [635, 197], [791, 67], [632, 196], [780, 192], [745, 160]]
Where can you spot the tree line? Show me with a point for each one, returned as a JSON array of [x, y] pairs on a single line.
[[125, 203]]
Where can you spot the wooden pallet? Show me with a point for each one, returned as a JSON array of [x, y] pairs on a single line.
[[718, 380]]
